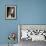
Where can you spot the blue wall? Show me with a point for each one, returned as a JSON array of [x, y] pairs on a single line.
[[28, 12], [32, 11]]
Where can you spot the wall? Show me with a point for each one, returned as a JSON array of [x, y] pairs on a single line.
[[28, 12], [32, 11], [6, 26]]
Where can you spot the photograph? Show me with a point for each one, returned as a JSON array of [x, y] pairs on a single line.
[[10, 12]]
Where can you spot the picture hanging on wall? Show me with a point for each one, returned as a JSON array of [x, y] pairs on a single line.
[[10, 12]]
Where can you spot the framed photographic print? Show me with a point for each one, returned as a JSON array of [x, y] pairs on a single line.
[[10, 12]]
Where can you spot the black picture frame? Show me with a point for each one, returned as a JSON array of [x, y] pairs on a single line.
[[10, 12]]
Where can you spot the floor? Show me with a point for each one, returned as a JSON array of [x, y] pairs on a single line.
[[30, 43], [7, 45]]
